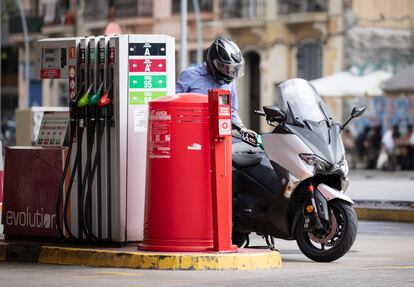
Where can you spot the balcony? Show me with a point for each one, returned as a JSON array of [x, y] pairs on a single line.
[[301, 6], [205, 6], [243, 13], [34, 24], [302, 11], [15, 28], [242, 9], [94, 10]]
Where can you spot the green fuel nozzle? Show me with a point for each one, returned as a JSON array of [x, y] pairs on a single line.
[[93, 101], [260, 141], [84, 100]]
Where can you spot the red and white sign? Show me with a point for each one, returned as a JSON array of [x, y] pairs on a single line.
[[72, 53], [160, 134], [50, 73], [111, 54], [225, 127], [147, 65], [72, 82], [224, 111]]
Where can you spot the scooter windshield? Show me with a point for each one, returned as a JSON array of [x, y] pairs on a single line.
[[299, 100]]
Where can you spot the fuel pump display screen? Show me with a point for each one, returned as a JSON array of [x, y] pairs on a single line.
[[223, 100], [51, 58]]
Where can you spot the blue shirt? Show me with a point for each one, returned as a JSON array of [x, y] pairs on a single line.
[[197, 80]]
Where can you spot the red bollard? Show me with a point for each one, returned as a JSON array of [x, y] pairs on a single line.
[[183, 212]]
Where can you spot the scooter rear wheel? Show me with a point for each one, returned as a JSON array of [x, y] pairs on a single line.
[[337, 242]]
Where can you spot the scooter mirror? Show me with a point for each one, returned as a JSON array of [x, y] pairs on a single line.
[[274, 113], [357, 111]]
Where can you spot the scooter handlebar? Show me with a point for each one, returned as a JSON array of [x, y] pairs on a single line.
[[260, 113]]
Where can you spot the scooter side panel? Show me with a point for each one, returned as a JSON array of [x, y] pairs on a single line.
[[330, 193], [284, 149], [258, 201]]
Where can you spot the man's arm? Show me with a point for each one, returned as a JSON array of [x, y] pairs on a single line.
[[235, 118], [184, 82]]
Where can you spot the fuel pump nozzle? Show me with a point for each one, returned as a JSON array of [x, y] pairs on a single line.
[[61, 201], [105, 100], [94, 99], [84, 100]]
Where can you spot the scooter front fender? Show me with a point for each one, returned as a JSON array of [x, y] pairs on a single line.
[[330, 193]]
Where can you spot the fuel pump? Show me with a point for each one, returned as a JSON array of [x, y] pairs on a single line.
[[111, 81]]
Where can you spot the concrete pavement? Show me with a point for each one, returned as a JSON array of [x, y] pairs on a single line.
[[382, 196], [382, 256], [381, 186], [375, 193]]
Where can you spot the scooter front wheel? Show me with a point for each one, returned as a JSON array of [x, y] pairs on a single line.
[[338, 239]]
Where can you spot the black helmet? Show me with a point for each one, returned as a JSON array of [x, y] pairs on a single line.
[[225, 60]]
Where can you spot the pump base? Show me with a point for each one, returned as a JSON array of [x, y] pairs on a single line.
[[126, 257]]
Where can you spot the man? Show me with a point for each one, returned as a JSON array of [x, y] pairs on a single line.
[[224, 63]]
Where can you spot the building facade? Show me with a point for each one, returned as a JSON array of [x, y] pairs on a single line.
[[280, 39]]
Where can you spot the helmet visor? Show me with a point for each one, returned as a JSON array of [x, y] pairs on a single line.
[[230, 70]]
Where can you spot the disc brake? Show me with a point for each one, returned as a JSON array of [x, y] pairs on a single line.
[[329, 235]]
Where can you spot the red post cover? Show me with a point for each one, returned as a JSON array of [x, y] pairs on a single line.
[[221, 168]]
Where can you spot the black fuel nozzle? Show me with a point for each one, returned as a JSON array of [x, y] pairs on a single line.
[[73, 103]]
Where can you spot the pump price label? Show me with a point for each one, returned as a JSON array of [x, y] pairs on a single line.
[[92, 55], [147, 49], [143, 98], [148, 82], [147, 65]]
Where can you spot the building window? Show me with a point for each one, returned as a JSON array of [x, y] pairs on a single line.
[[252, 9], [205, 6], [309, 59], [123, 8], [301, 6]]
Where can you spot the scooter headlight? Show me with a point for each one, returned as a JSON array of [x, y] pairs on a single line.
[[342, 165], [315, 162]]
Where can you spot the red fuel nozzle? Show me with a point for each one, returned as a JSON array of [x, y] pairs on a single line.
[[104, 100]]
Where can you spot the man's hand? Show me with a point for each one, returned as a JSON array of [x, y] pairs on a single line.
[[249, 136]]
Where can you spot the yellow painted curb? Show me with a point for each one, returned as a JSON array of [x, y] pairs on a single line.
[[3, 251], [245, 259], [398, 215]]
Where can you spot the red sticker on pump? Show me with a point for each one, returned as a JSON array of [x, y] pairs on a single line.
[[147, 65], [50, 73], [224, 111]]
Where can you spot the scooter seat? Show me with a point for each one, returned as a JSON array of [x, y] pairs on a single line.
[[245, 155]]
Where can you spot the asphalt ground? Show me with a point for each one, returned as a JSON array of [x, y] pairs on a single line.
[[376, 195], [382, 255]]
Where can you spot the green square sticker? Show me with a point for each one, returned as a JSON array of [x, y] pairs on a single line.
[[143, 98]]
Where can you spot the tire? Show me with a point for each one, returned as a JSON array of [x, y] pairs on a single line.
[[340, 242], [240, 239]]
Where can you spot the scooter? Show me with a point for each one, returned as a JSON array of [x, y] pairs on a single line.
[[291, 184]]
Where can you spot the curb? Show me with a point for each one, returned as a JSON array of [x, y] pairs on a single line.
[[245, 259], [385, 214]]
